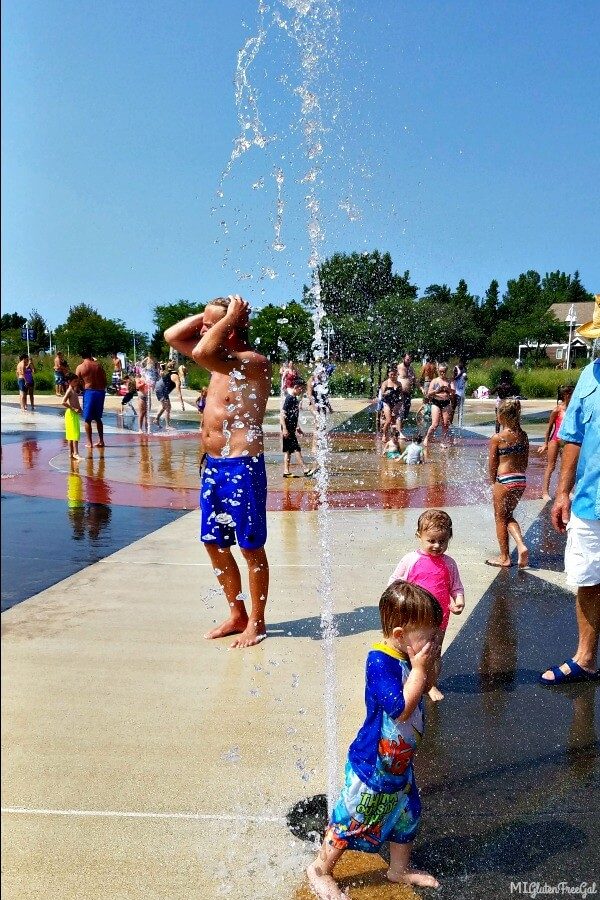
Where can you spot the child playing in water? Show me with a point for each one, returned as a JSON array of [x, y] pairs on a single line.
[[392, 448], [552, 444], [508, 458], [379, 801], [72, 414], [414, 455], [432, 569], [288, 419]]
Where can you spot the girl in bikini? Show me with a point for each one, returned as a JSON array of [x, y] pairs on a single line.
[[440, 396], [508, 458], [552, 444]]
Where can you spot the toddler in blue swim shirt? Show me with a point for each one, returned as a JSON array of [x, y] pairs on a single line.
[[379, 800]]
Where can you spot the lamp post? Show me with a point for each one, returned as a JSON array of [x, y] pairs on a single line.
[[571, 318], [329, 332], [49, 333], [134, 350]]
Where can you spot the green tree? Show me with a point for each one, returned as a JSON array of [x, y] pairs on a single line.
[[524, 316], [487, 313], [11, 321], [165, 315], [463, 299], [439, 293], [85, 329], [282, 332], [577, 293], [351, 283]]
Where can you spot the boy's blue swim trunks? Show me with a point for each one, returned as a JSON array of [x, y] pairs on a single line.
[[364, 818], [233, 501], [93, 405]]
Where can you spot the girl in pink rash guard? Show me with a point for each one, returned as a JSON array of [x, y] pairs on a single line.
[[431, 568]]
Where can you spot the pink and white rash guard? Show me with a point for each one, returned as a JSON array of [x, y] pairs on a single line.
[[437, 574]]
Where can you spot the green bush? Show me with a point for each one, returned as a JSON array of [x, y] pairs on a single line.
[[348, 384]]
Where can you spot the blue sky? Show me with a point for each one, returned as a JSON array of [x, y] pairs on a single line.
[[465, 142]]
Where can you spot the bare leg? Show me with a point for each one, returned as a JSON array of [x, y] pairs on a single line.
[[517, 536], [320, 875], [587, 609], [88, 433], [229, 578], [553, 451], [435, 421], [286, 463], [434, 693], [258, 577], [505, 500], [387, 421], [400, 872], [445, 425], [100, 428]]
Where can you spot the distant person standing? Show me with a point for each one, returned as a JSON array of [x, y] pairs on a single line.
[[182, 372], [289, 427], [25, 380], [459, 379], [288, 373], [408, 379], [117, 371], [168, 382], [428, 373], [94, 391], [60, 371]]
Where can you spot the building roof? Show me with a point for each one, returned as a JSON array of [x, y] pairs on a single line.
[[583, 311]]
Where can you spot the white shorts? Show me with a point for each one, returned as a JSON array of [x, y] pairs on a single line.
[[582, 553]]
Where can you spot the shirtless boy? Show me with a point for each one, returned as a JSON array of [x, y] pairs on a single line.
[[233, 489]]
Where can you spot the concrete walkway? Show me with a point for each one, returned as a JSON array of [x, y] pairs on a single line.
[[141, 761]]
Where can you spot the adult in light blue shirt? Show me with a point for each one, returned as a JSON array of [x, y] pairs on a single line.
[[576, 510]]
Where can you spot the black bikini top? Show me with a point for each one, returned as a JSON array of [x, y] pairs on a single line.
[[521, 447]]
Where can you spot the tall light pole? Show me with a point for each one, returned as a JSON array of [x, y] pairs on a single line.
[[571, 319], [134, 350], [329, 332]]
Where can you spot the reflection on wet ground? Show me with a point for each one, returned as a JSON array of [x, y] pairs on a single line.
[[162, 470], [44, 541]]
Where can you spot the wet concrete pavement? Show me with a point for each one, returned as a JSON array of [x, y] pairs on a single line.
[[139, 760]]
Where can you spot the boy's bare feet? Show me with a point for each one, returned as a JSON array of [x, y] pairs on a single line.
[[500, 562], [435, 694], [413, 876], [253, 634], [232, 625], [324, 886], [100, 444]]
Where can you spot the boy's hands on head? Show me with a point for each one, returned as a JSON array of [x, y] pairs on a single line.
[[238, 312]]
